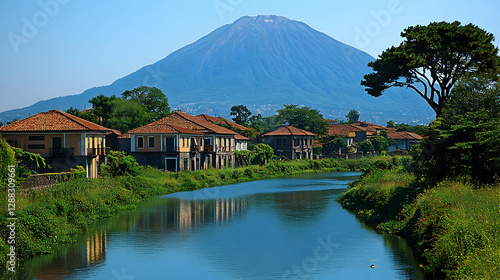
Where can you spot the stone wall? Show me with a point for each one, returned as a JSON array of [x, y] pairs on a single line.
[[42, 181]]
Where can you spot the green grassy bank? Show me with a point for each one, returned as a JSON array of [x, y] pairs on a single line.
[[455, 225], [46, 219]]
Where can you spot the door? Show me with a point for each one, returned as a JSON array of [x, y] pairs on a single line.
[[57, 146]]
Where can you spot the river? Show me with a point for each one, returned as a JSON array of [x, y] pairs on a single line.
[[289, 228]]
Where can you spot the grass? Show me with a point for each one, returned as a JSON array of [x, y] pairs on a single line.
[[455, 225], [55, 216]]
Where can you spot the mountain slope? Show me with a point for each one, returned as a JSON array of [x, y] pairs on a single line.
[[262, 62]]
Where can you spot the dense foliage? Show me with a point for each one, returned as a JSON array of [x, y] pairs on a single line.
[[135, 108], [432, 59], [304, 118], [466, 140], [241, 114], [120, 164]]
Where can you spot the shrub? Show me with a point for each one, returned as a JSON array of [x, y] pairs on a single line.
[[119, 164]]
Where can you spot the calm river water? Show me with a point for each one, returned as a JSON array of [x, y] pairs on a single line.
[[289, 228]]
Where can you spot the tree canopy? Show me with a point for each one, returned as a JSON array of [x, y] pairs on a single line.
[[432, 59], [304, 118], [468, 139], [152, 98], [241, 114], [352, 116]]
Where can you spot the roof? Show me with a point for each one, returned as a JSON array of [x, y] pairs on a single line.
[[185, 123], [158, 127], [53, 120], [403, 135], [289, 130], [124, 136], [221, 120], [342, 129], [370, 125], [240, 137]]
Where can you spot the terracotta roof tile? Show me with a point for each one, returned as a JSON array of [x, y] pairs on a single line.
[[240, 137], [53, 120], [289, 130], [183, 123], [342, 129], [162, 128], [221, 120], [124, 136], [399, 135]]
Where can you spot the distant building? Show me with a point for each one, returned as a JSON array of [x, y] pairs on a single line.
[[65, 141], [241, 141], [403, 140], [181, 141], [291, 142]]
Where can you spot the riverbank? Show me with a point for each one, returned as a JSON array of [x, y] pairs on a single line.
[[55, 216], [454, 225]]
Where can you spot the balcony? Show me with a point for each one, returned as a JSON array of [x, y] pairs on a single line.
[[92, 152], [62, 152]]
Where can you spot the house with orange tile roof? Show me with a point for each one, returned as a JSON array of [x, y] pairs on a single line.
[[291, 142], [402, 140], [65, 141], [241, 141], [181, 141]]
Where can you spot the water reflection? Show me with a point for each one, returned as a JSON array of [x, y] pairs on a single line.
[[170, 214], [255, 230], [96, 247]]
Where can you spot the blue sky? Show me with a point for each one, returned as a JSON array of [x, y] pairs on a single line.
[[51, 48]]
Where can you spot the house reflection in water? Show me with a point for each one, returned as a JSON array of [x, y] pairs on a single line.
[[96, 247], [179, 214]]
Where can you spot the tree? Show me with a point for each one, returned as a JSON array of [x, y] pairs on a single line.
[[152, 98], [390, 123], [127, 115], [241, 114], [468, 141], [381, 142], [103, 106], [265, 124], [304, 118], [352, 116], [73, 111], [365, 147], [263, 153], [432, 59], [244, 157]]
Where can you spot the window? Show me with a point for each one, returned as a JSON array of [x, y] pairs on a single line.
[[140, 142], [186, 164], [36, 146], [151, 142], [36, 138]]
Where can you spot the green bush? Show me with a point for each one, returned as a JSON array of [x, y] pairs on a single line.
[[120, 164]]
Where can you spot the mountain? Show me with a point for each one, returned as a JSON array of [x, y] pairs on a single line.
[[262, 62]]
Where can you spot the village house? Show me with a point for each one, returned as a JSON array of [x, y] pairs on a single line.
[[241, 141], [291, 142], [181, 141], [361, 131], [65, 141], [403, 140]]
